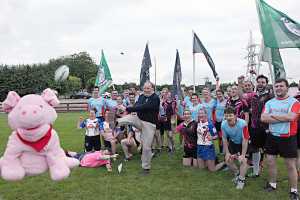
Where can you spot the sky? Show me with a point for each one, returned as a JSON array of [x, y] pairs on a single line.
[[34, 31]]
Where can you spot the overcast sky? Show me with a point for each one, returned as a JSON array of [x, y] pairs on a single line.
[[36, 30]]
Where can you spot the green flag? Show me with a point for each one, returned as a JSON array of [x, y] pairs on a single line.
[[277, 63], [103, 79], [272, 56], [278, 29]]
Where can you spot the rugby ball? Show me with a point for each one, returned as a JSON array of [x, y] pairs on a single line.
[[62, 73]]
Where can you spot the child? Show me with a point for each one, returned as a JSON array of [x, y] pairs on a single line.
[[130, 142], [93, 159], [107, 133], [92, 135], [206, 133], [188, 129], [120, 111]]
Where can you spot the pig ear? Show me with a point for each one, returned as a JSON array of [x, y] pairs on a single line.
[[50, 97], [11, 101]]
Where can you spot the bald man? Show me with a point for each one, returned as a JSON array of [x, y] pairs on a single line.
[[147, 108]]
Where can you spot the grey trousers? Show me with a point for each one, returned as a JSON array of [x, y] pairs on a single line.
[[147, 134]]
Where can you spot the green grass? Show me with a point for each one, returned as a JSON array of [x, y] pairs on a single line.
[[168, 178]]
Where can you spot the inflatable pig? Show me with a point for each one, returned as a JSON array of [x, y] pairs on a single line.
[[33, 147]]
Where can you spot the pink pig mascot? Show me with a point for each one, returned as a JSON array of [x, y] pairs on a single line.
[[33, 147]]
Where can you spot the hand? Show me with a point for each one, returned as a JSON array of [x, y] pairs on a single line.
[[242, 158], [228, 157]]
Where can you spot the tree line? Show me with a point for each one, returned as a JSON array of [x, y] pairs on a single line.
[[27, 79]]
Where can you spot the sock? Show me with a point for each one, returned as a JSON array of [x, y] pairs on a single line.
[[294, 190], [255, 161], [273, 184]]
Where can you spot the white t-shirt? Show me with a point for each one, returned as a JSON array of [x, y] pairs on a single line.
[[90, 126], [205, 133]]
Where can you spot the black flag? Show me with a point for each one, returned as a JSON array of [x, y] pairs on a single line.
[[176, 90], [146, 64], [198, 47]]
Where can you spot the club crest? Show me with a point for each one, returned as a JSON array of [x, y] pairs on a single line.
[[292, 27]]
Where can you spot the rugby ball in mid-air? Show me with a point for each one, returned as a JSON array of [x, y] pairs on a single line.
[[62, 73]]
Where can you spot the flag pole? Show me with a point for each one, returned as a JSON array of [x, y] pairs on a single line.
[[194, 62], [271, 72], [194, 72]]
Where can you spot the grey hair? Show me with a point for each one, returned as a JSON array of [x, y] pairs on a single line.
[[150, 83]]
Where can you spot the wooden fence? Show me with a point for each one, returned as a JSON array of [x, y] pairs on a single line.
[[65, 107]]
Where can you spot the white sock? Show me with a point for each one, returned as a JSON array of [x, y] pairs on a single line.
[[273, 184], [294, 190], [256, 159]]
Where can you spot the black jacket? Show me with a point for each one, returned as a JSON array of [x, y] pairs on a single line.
[[147, 108]]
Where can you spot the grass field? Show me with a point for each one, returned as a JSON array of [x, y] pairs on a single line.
[[168, 178]]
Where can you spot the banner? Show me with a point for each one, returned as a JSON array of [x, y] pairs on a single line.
[[103, 79]]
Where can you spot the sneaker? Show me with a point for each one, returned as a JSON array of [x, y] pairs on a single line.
[[145, 172], [294, 196], [240, 184], [269, 188]]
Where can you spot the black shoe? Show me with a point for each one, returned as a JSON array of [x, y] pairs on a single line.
[[294, 196], [145, 172], [269, 188]]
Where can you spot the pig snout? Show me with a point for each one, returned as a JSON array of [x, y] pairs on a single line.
[[31, 116]]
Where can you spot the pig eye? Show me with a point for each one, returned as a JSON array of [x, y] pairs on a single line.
[[41, 106]]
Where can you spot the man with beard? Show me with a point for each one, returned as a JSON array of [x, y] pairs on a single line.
[[281, 113], [258, 128], [147, 108]]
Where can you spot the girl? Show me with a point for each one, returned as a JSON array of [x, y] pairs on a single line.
[[188, 129], [206, 133], [130, 143], [93, 159], [208, 103], [219, 115], [92, 135], [107, 134]]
